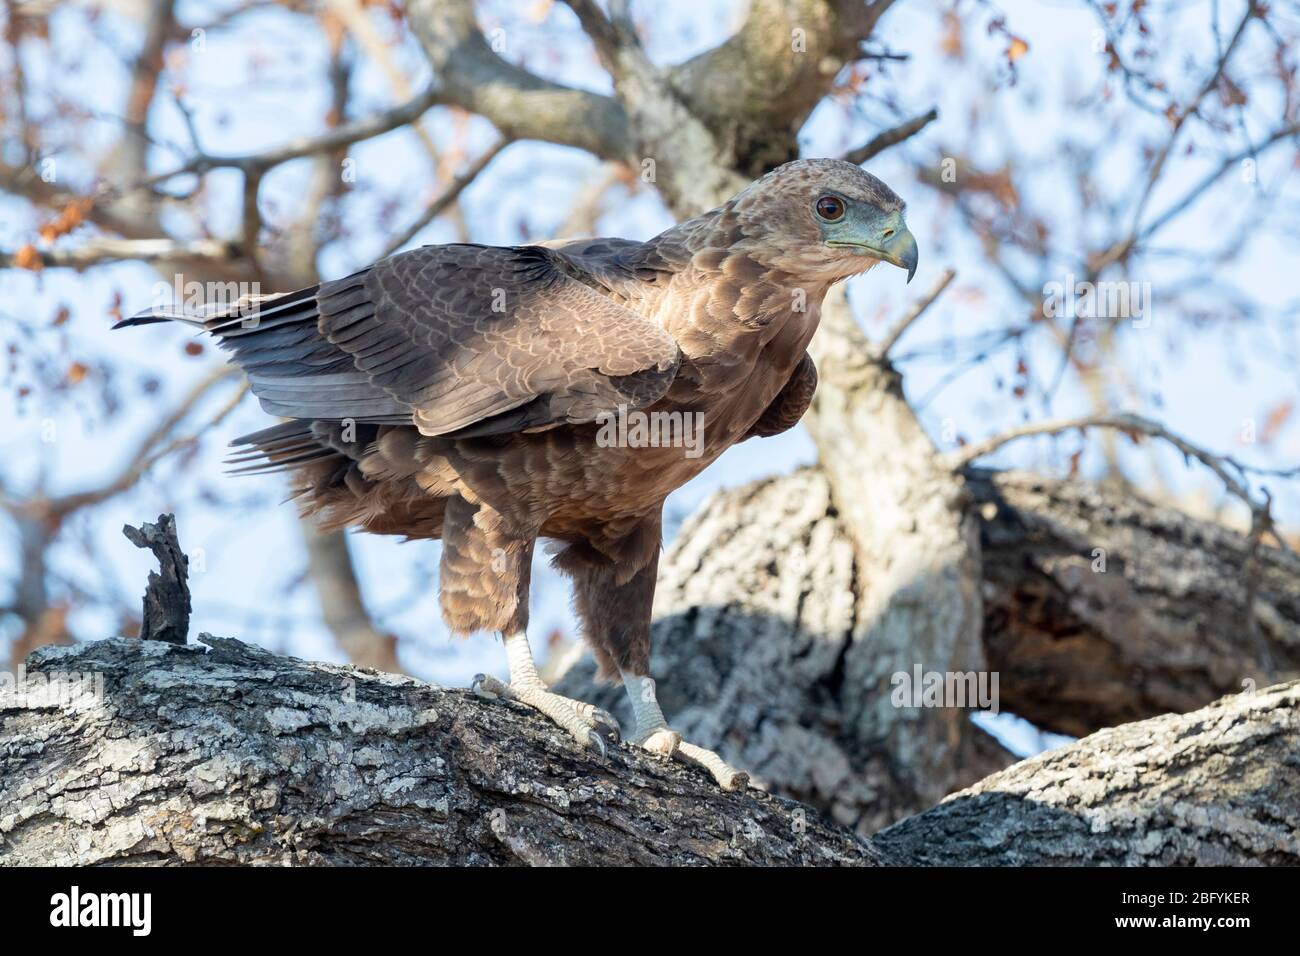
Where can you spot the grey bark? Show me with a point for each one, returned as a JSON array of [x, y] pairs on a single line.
[[166, 613], [235, 755], [1165, 627], [1220, 786]]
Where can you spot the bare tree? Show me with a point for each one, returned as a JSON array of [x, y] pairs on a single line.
[[896, 550]]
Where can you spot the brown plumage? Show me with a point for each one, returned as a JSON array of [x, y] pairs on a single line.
[[459, 392]]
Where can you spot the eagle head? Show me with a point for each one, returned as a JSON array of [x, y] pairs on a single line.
[[825, 219]]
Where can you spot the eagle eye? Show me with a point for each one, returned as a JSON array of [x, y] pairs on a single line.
[[830, 208]]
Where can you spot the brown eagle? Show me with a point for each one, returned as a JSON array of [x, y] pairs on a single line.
[[490, 396]]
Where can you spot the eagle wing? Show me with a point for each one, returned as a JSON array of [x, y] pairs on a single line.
[[459, 340], [784, 411]]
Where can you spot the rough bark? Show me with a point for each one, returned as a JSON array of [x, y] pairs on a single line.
[[236, 755], [166, 614], [1163, 628], [1220, 786]]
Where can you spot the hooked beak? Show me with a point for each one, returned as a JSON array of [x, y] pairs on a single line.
[[894, 244]]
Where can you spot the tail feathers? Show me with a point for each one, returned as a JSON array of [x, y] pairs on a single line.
[[294, 370], [278, 448], [247, 313]]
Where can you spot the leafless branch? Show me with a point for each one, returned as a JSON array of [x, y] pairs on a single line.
[[109, 249], [151, 450], [914, 313], [472, 75], [891, 137], [1228, 470], [448, 196], [332, 140]]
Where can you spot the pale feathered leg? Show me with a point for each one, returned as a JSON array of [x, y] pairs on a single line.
[[589, 726], [653, 733]]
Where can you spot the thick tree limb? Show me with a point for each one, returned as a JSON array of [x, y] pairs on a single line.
[[471, 74], [237, 755], [756, 89], [1101, 607], [148, 753], [1214, 787]]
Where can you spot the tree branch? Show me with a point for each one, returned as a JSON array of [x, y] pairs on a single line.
[[1227, 469], [1212, 788], [448, 196], [891, 137], [521, 105], [914, 313], [241, 756]]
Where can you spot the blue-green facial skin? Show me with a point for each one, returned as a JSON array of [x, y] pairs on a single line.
[[869, 231]]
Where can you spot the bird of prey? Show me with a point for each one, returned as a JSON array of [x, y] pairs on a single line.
[[490, 396]]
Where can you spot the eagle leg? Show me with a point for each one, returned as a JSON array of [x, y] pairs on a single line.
[[614, 599], [653, 733], [588, 725]]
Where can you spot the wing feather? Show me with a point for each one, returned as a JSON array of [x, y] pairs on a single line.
[[459, 340]]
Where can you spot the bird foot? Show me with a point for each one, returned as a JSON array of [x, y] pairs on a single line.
[[588, 725], [669, 743]]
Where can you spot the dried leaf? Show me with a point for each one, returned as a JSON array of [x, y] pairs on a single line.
[[1277, 418], [28, 258]]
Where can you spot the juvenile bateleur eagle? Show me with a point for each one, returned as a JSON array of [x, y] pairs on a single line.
[[463, 392]]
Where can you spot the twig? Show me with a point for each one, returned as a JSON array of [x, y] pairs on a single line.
[[891, 137], [148, 454], [330, 141], [1228, 470], [449, 196], [914, 313]]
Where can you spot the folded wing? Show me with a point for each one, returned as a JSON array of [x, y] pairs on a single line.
[[459, 340]]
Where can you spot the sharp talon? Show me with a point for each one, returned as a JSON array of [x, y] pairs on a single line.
[[476, 686], [739, 782], [614, 731], [598, 743]]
